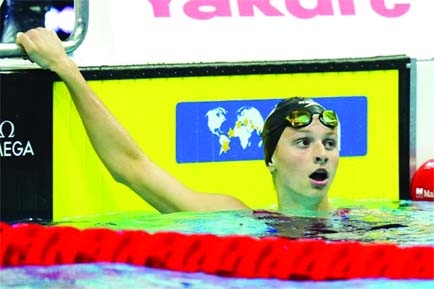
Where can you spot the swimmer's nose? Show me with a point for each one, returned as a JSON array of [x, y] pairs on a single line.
[[322, 160]]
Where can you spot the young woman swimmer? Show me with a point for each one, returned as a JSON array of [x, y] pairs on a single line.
[[300, 139]]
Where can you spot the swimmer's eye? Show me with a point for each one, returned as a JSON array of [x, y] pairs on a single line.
[[303, 142], [330, 144]]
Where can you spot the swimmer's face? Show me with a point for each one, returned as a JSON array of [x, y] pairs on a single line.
[[304, 164]]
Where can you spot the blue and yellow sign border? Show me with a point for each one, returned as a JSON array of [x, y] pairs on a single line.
[[144, 99]]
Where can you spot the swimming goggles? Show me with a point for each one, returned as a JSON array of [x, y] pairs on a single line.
[[302, 118]]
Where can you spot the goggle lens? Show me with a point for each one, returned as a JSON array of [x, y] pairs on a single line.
[[299, 118], [329, 118], [302, 118]]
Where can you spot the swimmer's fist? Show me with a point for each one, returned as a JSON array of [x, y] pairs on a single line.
[[43, 47]]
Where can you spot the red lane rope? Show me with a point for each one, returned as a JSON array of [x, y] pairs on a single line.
[[232, 256]]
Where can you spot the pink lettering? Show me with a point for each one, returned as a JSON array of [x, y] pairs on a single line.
[[246, 7], [347, 7], [160, 7], [206, 9], [398, 9], [322, 8]]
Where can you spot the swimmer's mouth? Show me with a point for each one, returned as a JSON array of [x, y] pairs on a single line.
[[319, 175]]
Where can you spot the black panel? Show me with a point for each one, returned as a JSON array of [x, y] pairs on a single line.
[[245, 68], [404, 133], [26, 145]]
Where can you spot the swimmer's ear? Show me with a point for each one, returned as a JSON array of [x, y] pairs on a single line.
[[271, 167]]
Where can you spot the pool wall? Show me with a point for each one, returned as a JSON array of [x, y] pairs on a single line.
[[169, 104]]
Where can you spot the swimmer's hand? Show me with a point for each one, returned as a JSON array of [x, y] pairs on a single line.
[[43, 47]]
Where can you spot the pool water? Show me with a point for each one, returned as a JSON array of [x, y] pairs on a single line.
[[116, 276], [404, 223]]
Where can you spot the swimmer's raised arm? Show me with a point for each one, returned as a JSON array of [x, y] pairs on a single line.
[[120, 154]]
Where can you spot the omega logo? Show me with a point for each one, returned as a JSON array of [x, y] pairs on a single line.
[[9, 147]]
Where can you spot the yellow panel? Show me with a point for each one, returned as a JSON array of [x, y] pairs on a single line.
[[146, 107]]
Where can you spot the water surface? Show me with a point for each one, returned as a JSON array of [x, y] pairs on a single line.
[[403, 223]]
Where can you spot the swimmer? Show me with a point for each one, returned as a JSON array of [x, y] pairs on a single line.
[[300, 140]]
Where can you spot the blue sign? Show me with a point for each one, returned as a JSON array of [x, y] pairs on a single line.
[[217, 131]]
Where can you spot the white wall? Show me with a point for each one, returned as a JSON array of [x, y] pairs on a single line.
[[425, 111], [134, 31]]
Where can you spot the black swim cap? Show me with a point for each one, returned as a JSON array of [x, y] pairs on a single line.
[[276, 121]]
